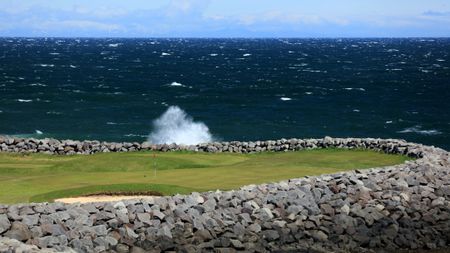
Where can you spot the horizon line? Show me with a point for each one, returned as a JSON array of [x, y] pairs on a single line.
[[230, 37]]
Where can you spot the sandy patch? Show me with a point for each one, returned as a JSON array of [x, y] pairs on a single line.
[[102, 198]]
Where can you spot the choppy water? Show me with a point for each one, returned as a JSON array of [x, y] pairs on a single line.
[[241, 89]]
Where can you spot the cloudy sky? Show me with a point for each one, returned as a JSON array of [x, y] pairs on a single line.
[[225, 18]]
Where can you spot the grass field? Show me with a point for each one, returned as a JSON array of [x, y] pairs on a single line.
[[39, 177]]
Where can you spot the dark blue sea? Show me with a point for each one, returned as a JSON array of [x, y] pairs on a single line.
[[193, 90]]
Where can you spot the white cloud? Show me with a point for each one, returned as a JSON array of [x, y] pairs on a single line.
[[103, 12], [185, 7], [83, 24], [277, 17]]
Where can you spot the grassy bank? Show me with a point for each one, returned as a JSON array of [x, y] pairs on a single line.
[[39, 177]]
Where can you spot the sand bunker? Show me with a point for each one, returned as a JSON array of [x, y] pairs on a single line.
[[102, 198]]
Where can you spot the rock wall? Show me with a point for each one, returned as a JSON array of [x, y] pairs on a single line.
[[70, 147], [406, 206]]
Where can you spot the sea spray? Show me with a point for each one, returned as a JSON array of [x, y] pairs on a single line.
[[175, 126]]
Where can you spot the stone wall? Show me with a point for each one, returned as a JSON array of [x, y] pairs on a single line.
[[70, 147], [406, 206]]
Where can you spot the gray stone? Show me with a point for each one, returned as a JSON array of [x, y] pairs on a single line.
[[18, 231], [144, 217], [165, 231], [237, 244], [4, 223], [203, 235], [270, 235], [319, 235], [256, 228], [158, 214], [122, 248], [265, 214], [31, 220], [209, 205]]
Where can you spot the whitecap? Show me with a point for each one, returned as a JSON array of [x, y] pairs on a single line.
[[38, 84], [440, 60], [388, 122], [24, 100], [349, 88], [356, 110], [73, 66], [53, 113], [308, 93], [213, 54], [418, 130], [176, 84], [165, 54], [54, 53], [114, 44], [135, 135], [285, 99], [46, 65], [111, 123], [246, 55], [38, 132]]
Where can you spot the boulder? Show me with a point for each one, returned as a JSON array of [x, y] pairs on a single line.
[[4, 223], [18, 231]]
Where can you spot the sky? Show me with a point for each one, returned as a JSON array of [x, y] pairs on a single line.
[[225, 18]]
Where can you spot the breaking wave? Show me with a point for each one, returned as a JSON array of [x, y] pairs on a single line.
[[419, 130], [176, 126]]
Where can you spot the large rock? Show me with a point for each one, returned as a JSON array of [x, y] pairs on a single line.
[[4, 223], [19, 231]]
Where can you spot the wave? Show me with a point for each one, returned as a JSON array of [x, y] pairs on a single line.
[[54, 112], [419, 130], [134, 135], [38, 84], [46, 65], [360, 89], [175, 84], [24, 100], [176, 126]]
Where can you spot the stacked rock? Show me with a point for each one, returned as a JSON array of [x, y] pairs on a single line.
[[405, 206], [70, 147]]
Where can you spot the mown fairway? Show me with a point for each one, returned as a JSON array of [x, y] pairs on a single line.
[[38, 177]]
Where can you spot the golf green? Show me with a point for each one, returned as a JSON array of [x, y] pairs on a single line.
[[39, 177]]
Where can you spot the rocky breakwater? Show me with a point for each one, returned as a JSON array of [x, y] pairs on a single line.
[[406, 206], [71, 147]]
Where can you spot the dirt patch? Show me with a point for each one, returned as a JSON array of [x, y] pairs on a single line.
[[102, 198]]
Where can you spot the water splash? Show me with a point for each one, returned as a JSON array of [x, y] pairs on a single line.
[[176, 126]]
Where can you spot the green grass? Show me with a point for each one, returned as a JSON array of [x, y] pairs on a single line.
[[40, 177]]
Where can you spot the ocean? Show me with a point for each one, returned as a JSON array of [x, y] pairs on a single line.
[[196, 90]]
